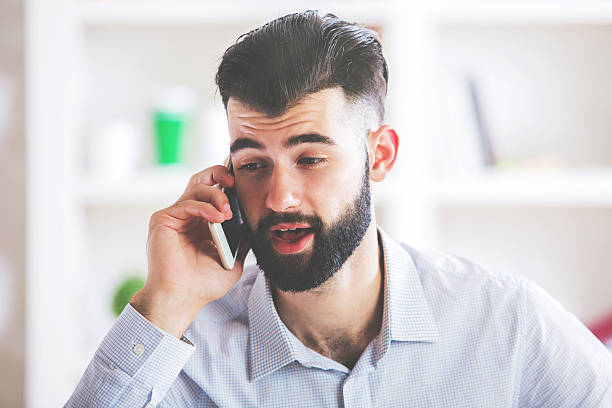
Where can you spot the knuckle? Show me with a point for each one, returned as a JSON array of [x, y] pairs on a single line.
[[193, 180], [154, 218]]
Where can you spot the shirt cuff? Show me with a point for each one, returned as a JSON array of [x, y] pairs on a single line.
[[145, 352]]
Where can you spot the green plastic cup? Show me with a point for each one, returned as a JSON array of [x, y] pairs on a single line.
[[169, 135]]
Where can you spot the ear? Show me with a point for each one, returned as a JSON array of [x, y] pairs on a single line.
[[382, 151]]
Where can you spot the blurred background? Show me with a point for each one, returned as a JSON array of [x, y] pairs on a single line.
[[504, 110]]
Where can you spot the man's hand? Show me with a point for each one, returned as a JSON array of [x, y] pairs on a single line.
[[185, 272]]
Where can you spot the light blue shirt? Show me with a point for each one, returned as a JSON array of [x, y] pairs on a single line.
[[452, 335]]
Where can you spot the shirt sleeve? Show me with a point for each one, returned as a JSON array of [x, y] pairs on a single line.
[[564, 365], [135, 365]]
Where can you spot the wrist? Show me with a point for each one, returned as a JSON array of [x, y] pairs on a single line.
[[170, 314]]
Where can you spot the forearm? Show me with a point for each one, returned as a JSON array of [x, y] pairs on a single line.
[[134, 366]]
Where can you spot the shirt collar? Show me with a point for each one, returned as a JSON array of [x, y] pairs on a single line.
[[406, 314]]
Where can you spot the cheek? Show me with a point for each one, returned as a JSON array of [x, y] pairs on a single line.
[[323, 187], [348, 173], [329, 192]]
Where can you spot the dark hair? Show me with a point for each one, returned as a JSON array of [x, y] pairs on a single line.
[[273, 67]]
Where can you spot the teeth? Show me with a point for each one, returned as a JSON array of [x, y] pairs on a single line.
[[288, 229]]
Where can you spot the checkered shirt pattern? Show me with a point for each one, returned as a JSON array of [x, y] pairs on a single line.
[[452, 335]]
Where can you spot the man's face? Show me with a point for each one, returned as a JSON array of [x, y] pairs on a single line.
[[303, 184]]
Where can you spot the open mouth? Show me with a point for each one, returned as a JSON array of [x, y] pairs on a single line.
[[290, 238], [291, 235]]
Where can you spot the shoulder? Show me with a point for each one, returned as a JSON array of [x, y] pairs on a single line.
[[459, 290], [462, 280], [442, 271], [488, 316], [467, 300]]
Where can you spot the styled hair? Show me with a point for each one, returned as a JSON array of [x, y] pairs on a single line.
[[273, 67]]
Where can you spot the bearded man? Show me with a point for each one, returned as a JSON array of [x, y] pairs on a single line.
[[336, 313]]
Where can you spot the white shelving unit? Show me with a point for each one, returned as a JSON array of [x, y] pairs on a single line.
[[89, 62], [542, 74]]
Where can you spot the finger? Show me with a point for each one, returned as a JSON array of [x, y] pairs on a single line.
[[212, 195], [185, 210], [212, 176]]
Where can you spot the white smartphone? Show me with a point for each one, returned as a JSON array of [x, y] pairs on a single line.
[[226, 235]]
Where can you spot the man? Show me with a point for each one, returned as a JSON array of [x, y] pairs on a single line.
[[341, 315]]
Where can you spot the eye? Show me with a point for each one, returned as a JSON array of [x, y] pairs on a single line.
[[311, 161], [250, 167]]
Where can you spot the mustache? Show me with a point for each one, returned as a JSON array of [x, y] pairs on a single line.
[[289, 218]]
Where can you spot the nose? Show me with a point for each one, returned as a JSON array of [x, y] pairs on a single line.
[[283, 191]]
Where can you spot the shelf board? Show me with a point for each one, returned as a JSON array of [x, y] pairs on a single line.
[[580, 188], [190, 12], [155, 186]]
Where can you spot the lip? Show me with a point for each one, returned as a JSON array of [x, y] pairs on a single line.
[[288, 226], [286, 247]]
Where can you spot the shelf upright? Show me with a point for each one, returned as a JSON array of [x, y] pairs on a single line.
[[54, 217], [403, 200]]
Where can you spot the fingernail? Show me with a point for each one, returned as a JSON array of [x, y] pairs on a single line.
[[227, 209]]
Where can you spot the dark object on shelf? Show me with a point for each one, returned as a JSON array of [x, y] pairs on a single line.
[[124, 293], [483, 132]]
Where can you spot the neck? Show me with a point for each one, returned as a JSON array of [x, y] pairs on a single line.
[[341, 317]]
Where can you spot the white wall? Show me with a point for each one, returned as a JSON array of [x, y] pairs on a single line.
[[12, 204]]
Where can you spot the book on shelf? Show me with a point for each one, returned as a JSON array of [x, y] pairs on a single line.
[[466, 145], [482, 130]]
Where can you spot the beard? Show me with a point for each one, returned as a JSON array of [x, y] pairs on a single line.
[[333, 244]]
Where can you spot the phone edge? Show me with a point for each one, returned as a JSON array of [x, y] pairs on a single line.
[[225, 253]]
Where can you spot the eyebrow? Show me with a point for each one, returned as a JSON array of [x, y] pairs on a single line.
[[308, 138], [247, 143]]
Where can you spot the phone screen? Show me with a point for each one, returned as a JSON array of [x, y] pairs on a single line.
[[232, 227]]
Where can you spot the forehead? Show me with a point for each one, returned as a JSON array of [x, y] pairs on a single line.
[[320, 112]]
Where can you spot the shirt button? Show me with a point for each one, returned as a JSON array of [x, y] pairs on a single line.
[[138, 349]]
